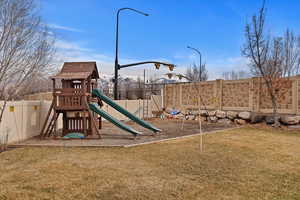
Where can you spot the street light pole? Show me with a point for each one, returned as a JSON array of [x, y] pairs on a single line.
[[200, 56], [117, 66]]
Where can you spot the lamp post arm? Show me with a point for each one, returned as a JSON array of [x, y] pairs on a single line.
[[200, 61], [117, 26], [138, 11], [142, 63], [117, 48], [196, 51]]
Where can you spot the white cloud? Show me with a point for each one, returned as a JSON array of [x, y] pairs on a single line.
[[64, 45], [75, 52], [215, 68], [65, 28], [186, 56]]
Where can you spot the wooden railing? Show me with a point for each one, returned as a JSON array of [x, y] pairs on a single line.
[[69, 99], [68, 90], [76, 124]]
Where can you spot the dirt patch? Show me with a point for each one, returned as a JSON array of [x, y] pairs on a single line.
[[113, 136]]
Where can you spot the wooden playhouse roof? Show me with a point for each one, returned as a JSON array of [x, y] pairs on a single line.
[[78, 70]]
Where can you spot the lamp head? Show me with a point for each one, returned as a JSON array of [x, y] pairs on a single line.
[[171, 67], [157, 65], [169, 75]]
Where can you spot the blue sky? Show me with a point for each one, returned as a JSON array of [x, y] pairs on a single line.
[[86, 31]]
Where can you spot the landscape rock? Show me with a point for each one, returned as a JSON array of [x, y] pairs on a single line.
[[220, 114], [190, 117], [269, 120], [204, 119], [225, 121], [231, 114], [211, 113], [187, 117], [294, 126], [245, 115], [168, 110], [289, 120], [179, 116], [298, 117], [257, 118], [240, 121], [194, 112], [193, 117], [213, 119], [203, 113]]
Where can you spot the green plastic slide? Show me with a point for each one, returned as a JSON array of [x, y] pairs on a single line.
[[134, 118], [113, 120]]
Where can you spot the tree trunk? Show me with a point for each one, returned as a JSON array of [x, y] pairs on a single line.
[[275, 110], [3, 138], [2, 110], [274, 102]]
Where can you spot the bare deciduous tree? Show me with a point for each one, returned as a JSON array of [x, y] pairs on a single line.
[[25, 47], [257, 50], [291, 54], [271, 58], [195, 73], [40, 83], [155, 85]]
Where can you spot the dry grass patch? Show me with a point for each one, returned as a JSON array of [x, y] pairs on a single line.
[[244, 163]]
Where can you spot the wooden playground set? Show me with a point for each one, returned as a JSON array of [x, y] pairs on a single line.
[[76, 97]]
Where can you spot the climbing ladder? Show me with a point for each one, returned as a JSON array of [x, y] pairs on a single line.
[[146, 107], [51, 126]]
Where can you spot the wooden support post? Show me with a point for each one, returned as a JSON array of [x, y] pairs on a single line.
[[100, 122], [54, 94], [84, 91], [65, 123], [93, 123], [84, 123], [55, 125], [46, 119]]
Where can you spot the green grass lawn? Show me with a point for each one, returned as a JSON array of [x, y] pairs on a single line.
[[243, 163]]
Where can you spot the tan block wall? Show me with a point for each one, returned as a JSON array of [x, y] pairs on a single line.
[[247, 94], [46, 96], [235, 94], [24, 119], [186, 95]]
